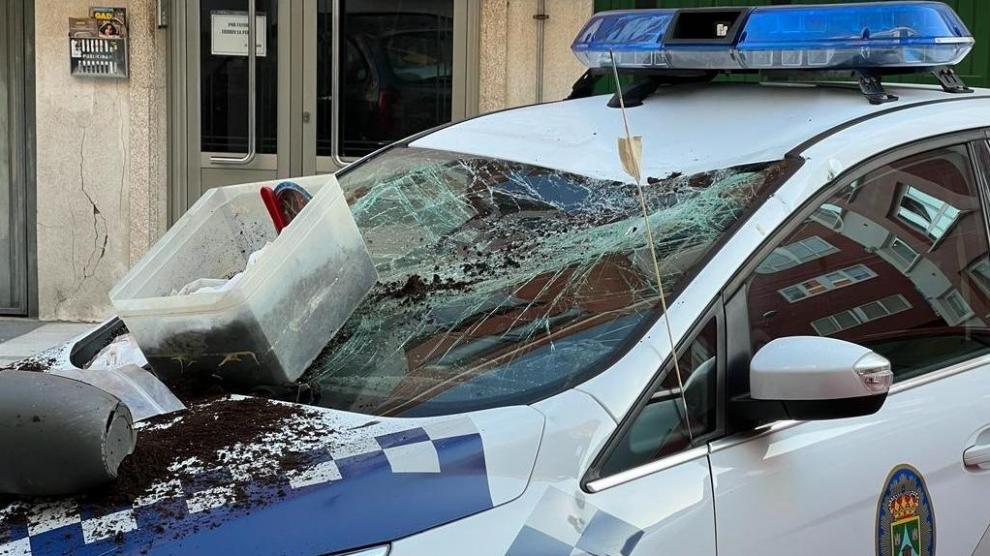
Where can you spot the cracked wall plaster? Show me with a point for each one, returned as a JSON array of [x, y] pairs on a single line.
[[101, 163]]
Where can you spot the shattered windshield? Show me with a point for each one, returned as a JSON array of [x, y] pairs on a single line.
[[502, 283]]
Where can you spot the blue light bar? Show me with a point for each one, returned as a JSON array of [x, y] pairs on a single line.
[[839, 36], [633, 35]]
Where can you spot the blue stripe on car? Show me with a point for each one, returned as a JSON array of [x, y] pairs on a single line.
[[370, 504]]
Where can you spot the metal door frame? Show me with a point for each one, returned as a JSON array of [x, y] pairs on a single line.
[[19, 60], [464, 88], [296, 133], [186, 160]]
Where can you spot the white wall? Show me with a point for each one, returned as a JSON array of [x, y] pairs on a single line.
[[509, 54], [101, 162]]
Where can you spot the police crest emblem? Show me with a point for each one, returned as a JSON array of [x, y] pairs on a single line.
[[905, 517]]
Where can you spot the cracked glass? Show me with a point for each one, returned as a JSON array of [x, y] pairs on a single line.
[[502, 283]]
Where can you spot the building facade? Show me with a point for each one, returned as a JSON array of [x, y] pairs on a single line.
[[94, 168]]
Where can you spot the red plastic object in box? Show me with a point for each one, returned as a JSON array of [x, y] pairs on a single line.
[[274, 210]]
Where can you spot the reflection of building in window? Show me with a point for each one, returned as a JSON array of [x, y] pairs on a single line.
[[799, 252], [928, 214], [828, 215], [850, 192], [899, 253], [955, 310], [980, 273], [856, 316], [827, 282]]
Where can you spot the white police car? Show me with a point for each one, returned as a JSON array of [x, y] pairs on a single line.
[[509, 389]]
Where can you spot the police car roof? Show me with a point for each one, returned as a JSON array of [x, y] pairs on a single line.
[[685, 129]]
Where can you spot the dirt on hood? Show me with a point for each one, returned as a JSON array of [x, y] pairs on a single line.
[[172, 445]]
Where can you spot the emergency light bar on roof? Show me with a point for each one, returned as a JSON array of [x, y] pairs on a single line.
[[877, 38]]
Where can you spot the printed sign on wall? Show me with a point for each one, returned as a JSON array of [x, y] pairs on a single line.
[[229, 34]]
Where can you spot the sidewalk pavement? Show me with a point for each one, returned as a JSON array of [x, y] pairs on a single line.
[[20, 338]]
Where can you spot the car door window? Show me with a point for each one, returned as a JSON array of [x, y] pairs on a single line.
[[896, 261], [661, 428]]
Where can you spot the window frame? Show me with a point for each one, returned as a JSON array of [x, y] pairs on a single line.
[[839, 216], [788, 252], [905, 192], [888, 247], [828, 284], [974, 276], [738, 344], [957, 318], [860, 315]]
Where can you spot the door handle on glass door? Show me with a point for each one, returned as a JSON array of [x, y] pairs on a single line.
[[252, 56], [977, 456]]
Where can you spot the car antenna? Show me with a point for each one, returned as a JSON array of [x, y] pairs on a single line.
[[631, 156]]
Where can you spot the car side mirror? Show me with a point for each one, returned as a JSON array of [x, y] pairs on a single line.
[[813, 377]]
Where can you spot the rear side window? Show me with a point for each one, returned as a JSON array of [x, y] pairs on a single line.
[[662, 427], [896, 261]]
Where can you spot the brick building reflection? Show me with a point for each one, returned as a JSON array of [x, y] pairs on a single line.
[[896, 261]]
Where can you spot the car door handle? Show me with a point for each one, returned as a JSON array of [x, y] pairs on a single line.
[[977, 456]]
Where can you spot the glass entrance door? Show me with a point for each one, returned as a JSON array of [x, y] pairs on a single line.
[[395, 76], [382, 70], [236, 132], [334, 80], [224, 68]]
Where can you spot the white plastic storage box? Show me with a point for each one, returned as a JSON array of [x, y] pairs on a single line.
[[269, 325]]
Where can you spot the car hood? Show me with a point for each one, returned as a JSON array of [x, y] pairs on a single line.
[[246, 476]]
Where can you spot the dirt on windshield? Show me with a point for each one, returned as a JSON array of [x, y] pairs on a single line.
[[416, 289], [483, 261]]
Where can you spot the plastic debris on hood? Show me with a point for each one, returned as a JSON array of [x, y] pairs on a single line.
[[274, 319], [140, 390], [123, 350], [59, 435]]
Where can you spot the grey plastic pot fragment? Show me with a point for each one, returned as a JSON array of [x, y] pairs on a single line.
[[143, 394], [59, 436]]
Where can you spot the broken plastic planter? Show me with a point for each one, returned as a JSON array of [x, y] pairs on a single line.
[[846, 36], [270, 325], [59, 436], [144, 395]]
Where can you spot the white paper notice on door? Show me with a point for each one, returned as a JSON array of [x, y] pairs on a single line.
[[229, 34]]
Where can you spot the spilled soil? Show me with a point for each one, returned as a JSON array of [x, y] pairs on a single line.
[[181, 446], [203, 431], [194, 388], [31, 365], [416, 289], [673, 175]]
